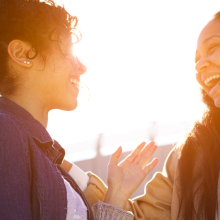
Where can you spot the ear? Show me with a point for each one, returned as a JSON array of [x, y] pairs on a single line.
[[18, 50]]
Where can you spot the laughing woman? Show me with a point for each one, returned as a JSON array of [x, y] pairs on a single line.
[[189, 186], [38, 73]]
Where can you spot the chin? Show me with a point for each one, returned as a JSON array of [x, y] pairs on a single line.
[[207, 99], [69, 105]]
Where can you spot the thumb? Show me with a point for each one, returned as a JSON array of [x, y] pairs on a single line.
[[115, 156]]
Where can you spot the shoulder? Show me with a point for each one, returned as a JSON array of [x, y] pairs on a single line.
[[11, 134], [14, 147], [171, 162], [8, 127]]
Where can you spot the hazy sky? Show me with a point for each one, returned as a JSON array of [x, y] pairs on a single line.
[[140, 58]]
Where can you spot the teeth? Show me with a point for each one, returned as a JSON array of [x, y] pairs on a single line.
[[74, 82], [217, 76]]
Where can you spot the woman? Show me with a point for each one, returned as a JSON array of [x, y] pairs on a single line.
[[189, 187], [39, 73], [191, 180]]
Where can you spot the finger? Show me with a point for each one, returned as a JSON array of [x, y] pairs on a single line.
[[131, 157], [215, 95], [217, 102], [146, 157], [150, 166], [144, 151], [215, 91], [115, 156]]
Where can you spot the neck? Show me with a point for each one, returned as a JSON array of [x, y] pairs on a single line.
[[33, 105]]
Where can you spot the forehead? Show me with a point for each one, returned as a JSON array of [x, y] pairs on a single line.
[[61, 42], [212, 29]]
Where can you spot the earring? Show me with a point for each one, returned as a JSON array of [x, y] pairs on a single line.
[[27, 62]]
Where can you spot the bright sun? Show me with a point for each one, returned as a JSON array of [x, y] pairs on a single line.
[[140, 59]]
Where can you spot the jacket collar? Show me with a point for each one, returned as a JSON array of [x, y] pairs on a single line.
[[35, 129]]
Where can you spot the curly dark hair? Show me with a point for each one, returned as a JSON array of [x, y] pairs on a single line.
[[32, 21], [199, 165]]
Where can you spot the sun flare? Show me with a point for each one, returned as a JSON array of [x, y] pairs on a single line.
[[140, 59]]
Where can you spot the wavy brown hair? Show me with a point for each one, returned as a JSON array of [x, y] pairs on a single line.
[[199, 167], [33, 21]]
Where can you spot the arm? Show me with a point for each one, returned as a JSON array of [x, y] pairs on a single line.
[[66, 165], [14, 178], [103, 211], [157, 199], [123, 179]]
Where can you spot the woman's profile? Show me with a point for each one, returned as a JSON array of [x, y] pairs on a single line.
[[38, 73]]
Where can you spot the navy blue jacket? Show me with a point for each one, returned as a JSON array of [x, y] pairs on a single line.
[[31, 184]]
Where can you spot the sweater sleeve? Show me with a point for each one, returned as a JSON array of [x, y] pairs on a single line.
[[14, 181], [157, 199], [95, 194], [103, 211]]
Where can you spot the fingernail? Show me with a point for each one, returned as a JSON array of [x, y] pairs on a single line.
[[217, 103], [214, 89], [118, 149], [156, 160], [154, 146]]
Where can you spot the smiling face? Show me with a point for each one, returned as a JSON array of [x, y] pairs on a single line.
[[208, 60], [57, 80]]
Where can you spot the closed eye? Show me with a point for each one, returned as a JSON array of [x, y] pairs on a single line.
[[212, 48]]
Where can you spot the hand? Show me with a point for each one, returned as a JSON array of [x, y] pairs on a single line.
[[215, 95], [125, 177]]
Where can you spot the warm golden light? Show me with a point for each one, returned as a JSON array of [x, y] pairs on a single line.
[[140, 58]]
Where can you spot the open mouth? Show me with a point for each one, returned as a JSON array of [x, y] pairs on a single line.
[[75, 82], [212, 80]]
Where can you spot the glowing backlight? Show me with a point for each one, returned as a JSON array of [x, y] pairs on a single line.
[[140, 59]]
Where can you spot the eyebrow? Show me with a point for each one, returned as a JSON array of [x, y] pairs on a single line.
[[205, 41]]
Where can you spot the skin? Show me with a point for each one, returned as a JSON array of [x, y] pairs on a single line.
[[208, 58], [207, 64], [124, 178], [46, 86]]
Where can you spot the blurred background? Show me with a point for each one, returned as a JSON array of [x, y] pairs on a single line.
[[140, 78]]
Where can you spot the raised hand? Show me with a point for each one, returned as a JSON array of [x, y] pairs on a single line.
[[125, 177]]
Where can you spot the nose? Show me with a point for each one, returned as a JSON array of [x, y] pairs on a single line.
[[202, 64], [79, 67]]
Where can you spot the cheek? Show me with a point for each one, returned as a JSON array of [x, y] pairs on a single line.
[[62, 69], [215, 58]]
